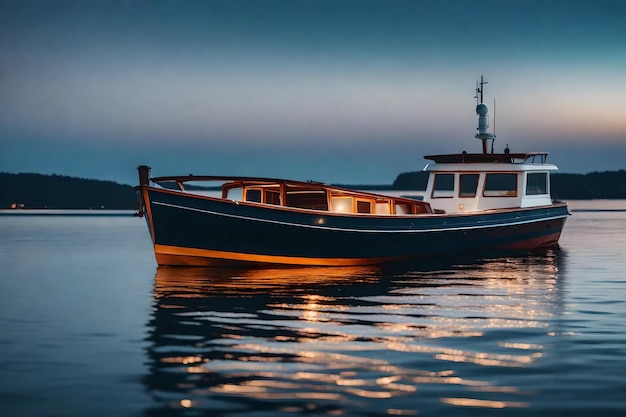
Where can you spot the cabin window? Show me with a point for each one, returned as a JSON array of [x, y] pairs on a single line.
[[403, 208], [500, 185], [382, 207], [363, 206], [341, 204], [272, 197], [444, 186], [314, 200], [253, 196], [468, 184], [537, 183]]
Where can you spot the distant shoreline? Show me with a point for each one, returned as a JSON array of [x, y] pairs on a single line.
[[65, 212], [56, 192]]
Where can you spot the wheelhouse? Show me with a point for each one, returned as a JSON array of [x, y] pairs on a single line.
[[483, 182]]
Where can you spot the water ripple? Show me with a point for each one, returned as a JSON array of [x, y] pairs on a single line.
[[361, 341]]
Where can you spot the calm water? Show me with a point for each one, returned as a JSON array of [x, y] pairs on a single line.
[[89, 326]]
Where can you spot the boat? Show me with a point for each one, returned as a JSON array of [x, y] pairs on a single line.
[[473, 202]]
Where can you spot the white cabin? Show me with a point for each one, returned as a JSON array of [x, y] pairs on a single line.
[[477, 182]]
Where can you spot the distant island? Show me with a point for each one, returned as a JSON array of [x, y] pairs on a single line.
[[37, 191]]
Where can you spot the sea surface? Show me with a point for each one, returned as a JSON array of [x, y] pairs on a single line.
[[90, 326]]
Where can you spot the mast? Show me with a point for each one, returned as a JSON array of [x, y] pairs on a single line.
[[483, 117]]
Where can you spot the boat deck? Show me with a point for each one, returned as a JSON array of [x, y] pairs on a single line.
[[295, 194]]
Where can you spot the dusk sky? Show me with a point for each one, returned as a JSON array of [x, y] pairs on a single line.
[[348, 91]]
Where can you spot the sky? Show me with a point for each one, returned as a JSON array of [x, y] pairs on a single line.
[[339, 91]]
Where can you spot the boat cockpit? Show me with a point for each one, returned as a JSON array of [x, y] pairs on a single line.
[[295, 194]]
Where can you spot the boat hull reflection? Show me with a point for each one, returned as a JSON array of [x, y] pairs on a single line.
[[350, 341]]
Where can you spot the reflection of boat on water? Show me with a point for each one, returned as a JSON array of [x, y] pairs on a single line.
[[215, 316], [473, 201], [202, 281], [349, 340]]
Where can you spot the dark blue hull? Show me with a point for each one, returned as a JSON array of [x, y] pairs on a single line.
[[193, 230]]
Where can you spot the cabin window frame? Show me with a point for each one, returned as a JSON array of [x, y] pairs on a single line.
[[270, 200], [264, 191], [405, 208], [504, 192], [382, 206], [253, 189], [546, 184], [446, 193], [358, 201], [293, 200], [342, 204], [467, 174]]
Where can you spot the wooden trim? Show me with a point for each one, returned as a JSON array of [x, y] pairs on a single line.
[[148, 205]]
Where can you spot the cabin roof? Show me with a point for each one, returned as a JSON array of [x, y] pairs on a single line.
[[464, 157]]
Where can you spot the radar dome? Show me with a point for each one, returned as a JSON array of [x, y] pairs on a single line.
[[482, 109]]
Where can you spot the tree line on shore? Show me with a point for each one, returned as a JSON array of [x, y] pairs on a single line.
[[37, 191]]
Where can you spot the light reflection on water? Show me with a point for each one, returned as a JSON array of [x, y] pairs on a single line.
[[87, 329], [352, 341]]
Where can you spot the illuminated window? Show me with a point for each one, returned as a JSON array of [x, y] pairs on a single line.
[[382, 207], [403, 208], [342, 204]]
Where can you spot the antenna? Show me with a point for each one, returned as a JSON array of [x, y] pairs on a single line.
[[494, 125], [483, 117], [479, 90]]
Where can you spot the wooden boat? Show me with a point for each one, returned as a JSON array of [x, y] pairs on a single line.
[[473, 202]]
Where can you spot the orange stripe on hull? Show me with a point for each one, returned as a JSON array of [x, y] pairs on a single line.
[[173, 255]]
